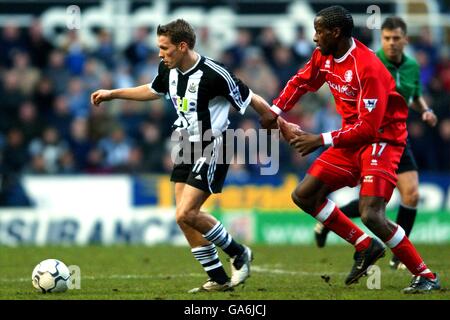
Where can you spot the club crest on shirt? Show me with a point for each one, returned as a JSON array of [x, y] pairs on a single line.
[[192, 88], [370, 104], [348, 76]]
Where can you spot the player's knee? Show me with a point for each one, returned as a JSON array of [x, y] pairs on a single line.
[[185, 217], [307, 204], [368, 219], [373, 218], [300, 201]]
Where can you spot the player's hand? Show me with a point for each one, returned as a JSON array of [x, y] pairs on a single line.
[[99, 96], [305, 142], [288, 129], [429, 118], [268, 121]]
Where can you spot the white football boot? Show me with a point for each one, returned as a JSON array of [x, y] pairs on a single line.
[[212, 286], [240, 267]]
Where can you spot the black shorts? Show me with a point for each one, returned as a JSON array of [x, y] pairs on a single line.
[[203, 165], [407, 161]]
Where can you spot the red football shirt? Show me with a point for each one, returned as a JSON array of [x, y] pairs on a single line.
[[364, 92]]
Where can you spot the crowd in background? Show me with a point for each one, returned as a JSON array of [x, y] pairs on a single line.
[[48, 126]]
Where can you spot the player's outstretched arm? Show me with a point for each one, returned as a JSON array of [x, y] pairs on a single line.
[[140, 93], [268, 119]]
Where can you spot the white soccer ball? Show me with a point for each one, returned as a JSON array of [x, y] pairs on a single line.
[[51, 275]]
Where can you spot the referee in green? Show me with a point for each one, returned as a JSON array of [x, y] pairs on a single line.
[[406, 72]]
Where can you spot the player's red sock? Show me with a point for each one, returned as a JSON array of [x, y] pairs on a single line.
[[333, 218], [407, 253]]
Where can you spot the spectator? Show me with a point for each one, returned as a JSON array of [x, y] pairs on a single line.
[[29, 122], [61, 117], [15, 154], [47, 151], [10, 42], [44, 96], [57, 72], [38, 47], [75, 55], [257, 74], [284, 64], [269, 42], [152, 148], [138, 51], [302, 47], [28, 75], [12, 97], [78, 98], [106, 51], [79, 142], [91, 77], [130, 118], [116, 149], [238, 51]]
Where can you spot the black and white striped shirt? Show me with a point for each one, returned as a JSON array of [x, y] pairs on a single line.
[[202, 96]]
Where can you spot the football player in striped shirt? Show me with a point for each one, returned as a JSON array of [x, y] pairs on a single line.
[[201, 91]]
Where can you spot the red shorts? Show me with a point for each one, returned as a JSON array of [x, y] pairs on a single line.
[[374, 166]]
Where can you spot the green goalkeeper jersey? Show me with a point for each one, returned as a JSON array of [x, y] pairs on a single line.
[[406, 76]]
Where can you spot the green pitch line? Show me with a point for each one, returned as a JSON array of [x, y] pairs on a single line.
[[167, 273]]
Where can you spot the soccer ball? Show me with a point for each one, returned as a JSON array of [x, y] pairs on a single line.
[[51, 275]]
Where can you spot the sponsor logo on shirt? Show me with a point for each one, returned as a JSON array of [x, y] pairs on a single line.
[[370, 104], [327, 64], [368, 179], [342, 89]]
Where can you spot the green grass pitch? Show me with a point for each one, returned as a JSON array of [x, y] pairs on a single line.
[[168, 272]]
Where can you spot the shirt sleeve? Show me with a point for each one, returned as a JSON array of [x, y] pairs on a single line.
[[230, 87], [371, 107], [160, 85], [308, 78]]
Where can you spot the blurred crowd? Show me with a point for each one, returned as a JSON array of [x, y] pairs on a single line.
[[47, 125]]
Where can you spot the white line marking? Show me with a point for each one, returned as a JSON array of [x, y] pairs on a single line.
[[268, 269]]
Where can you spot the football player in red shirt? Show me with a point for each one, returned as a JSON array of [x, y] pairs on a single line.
[[366, 150]]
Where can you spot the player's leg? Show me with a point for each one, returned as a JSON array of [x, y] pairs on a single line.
[[373, 216], [311, 196], [408, 187], [331, 171], [207, 176], [351, 210], [377, 186], [194, 238], [189, 213], [204, 252]]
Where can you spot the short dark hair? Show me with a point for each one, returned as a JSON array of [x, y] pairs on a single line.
[[337, 17], [178, 31], [393, 22]]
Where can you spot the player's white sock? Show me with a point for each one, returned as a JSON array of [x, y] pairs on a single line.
[[221, 238], [209, 259]]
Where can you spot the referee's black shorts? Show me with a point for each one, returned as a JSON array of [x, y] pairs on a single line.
[[203, 165], [407, 161]]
